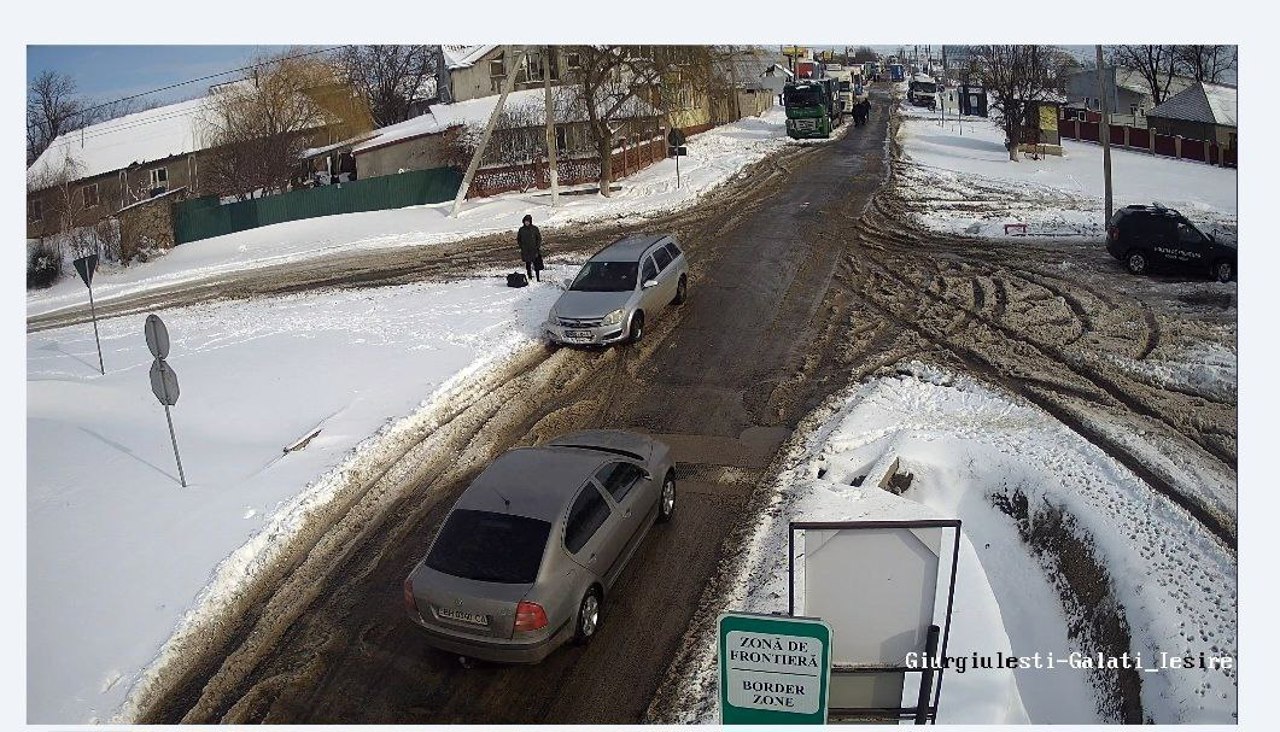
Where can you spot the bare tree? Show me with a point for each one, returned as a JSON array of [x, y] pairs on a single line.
[[1015, 76], [1156, 64], [1207, 63], [258, 125], [390, 78], [863, 54], [614, 79], [52, 109]]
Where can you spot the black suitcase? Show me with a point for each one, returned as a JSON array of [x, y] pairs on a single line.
[[516, 279]]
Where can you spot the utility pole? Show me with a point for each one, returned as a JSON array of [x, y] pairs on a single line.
[[1104, 132], [551, 128], [507, 86]]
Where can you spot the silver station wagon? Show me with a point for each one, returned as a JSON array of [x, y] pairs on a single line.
[[526, 557], [620, 289]]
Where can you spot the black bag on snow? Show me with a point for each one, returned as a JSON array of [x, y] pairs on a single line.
[[516, 279]]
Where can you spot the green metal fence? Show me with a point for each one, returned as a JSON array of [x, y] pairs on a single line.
[[201, 218]]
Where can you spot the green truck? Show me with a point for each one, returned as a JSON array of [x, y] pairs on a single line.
[[812, 106]]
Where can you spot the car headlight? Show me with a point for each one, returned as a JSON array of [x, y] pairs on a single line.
[[613, 318]]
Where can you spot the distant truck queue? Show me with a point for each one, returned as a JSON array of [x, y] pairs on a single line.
[[817, 101]]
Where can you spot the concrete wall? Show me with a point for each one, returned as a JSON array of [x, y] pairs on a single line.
[[421, 153]]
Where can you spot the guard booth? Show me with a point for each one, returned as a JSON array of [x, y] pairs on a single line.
[[886, 589], [973, 100]]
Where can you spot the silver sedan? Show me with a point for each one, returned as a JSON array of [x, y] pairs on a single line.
[[525, 559]]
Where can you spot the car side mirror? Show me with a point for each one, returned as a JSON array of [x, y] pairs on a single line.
[[566, 283], [649, 283]]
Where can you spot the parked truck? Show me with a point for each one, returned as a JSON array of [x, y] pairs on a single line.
[[809, 106], [897, 72], [845, 80], [923, 91]]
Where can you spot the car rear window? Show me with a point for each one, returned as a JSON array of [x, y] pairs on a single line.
[[490, 547], [673, 250]]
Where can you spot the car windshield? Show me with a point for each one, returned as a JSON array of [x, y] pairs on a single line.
[[804, 96], [606, 277], [490, 547]]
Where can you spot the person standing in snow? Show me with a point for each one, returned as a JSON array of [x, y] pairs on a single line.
[[529, 239]]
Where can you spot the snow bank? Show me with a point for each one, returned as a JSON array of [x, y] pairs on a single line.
[[970, 450], [119, 555]]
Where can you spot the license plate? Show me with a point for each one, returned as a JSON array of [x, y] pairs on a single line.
[[463, 616], [578, 335]]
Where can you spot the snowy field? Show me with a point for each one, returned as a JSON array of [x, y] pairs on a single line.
[[970, 449], [120, 555], [957, 178], [715, 157]]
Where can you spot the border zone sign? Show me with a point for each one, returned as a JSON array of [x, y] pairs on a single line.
[[773, 669]]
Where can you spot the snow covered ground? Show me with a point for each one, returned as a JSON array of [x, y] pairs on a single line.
[[119, 554], [148, 559], [957, 177], [715, 157], [970, 450]]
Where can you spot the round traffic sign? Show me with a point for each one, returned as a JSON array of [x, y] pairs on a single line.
[[157, 336], [164, 383]]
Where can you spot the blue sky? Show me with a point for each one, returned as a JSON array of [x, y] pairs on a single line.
[[105, 73]]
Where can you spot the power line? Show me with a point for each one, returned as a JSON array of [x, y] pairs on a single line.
[[211, 76]]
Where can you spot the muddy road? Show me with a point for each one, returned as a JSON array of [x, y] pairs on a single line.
[[804, 278]]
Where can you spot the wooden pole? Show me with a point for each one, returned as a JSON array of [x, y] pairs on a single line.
[[551, 128], [1104, 132]]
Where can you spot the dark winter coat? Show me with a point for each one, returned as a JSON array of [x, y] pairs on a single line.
[[530, 241]]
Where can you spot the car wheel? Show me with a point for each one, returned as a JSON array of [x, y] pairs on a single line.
[[682, 290], [588, 621], [637, 328], [1225, 271], [667, 499], [1136, 262]]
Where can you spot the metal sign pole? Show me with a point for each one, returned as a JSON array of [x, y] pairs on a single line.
[[94, 314], [677, 171], [182, 478]]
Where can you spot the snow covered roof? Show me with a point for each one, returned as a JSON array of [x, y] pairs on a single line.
[[138, 138], [461, 57], [1207, 103], [527, 102], [777, 67]]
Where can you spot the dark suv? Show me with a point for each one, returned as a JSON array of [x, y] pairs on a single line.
[[1151, 237]]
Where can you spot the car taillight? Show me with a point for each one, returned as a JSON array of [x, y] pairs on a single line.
[[1113, 233], [530, 616], [410, 602]]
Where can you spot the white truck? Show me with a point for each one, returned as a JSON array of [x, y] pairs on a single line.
[[848, 84], [923, 91]]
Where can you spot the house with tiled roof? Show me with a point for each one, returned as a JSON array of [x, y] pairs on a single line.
[[1200, 112]]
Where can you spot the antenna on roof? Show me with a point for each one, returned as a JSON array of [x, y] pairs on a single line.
[[506, 504]]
